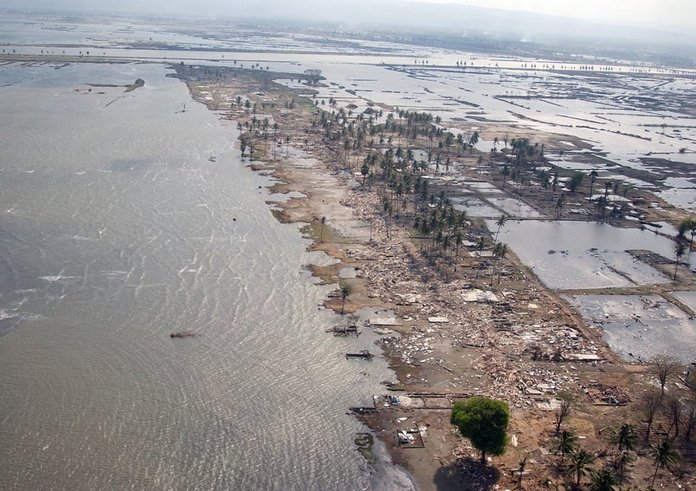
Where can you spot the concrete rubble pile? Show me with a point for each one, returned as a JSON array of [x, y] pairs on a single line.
[[513, 332]]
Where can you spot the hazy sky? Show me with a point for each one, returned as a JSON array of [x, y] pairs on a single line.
[[656, 13], [672, 15]]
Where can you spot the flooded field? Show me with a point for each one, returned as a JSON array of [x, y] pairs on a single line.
[[639, 327], [582, 255], [617, 115]]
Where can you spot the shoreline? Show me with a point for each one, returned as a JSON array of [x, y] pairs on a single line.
[[451, 345]]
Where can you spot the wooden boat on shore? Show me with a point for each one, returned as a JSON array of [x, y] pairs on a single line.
[[344, 331], [364, 354]]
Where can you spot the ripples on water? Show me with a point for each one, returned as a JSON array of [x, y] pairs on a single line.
[[122, 233]]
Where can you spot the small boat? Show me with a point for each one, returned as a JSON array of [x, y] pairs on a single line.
[[182, 334]]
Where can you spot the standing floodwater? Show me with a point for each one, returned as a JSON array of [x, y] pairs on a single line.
[[115, 230]]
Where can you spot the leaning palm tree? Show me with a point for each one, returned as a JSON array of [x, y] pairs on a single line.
[[500, 222], [579, 464], [663, 454]]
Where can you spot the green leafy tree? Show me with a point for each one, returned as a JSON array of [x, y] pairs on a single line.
[[484, 421]]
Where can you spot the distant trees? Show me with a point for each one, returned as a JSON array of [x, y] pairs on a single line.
[[313, 76], [484, 421]]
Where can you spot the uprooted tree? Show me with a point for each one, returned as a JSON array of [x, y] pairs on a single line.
[[484, 421]]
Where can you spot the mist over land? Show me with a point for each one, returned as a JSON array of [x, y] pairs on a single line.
[[666, 40]]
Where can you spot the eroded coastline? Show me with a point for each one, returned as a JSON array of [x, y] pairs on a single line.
[[465, 330]]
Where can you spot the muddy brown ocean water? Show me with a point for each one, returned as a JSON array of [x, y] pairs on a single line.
[[116, 230]]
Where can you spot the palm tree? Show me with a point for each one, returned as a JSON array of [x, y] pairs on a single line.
[[593, 178], [505, 173], [603, 479], [566, 444], [558, 206], [579, 464], [500, 223], [663, 454], [625, 438], [499, 251], [620, 465], [345, 291], [679, 251]]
